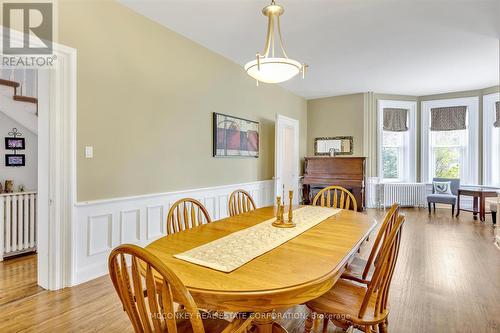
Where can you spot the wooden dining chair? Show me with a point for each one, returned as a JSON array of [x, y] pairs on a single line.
[[240, 202], [147, 292], [186, 214], [364, 307], [335, 197], [359, 269]]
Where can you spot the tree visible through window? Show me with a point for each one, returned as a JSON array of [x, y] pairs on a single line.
[[448, 150], [393, 147], [390, 156]]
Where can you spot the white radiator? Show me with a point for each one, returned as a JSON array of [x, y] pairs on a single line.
[[17, 223], [406, 194]]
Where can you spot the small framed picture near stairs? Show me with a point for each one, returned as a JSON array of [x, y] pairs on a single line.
[[15, 160], [15, 142]]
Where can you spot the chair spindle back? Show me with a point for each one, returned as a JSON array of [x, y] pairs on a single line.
[[240, 202], [379, 286], [384, 231], [335, 197], [186, 214], [148, 289]]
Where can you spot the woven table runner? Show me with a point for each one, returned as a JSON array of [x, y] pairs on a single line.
[[233, 251]]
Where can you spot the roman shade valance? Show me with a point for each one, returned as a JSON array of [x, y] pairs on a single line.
[[449, 118], [497, 121], [395, 120]]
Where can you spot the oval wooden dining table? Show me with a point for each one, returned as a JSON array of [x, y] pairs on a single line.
[[295, 272]]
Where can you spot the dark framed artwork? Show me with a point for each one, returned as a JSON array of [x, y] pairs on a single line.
[[15, 160], [15, 143], [235, 137]]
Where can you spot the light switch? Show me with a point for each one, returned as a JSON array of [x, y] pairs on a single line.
[[89, 152]]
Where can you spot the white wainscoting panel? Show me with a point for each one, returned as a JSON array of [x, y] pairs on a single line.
[[130, 226], [105, 224], [155, 224], [100, 234]]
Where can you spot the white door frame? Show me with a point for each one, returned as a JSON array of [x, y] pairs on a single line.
[[56, 168], [278, 154]]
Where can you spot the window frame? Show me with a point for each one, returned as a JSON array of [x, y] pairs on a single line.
[[489, 114], [472, 155], [408, 174]]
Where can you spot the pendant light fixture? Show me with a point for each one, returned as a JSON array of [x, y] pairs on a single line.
[[268, 67]]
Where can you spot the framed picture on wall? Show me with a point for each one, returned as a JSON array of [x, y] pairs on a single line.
[[15, 160], [235, 137], [15, 143]]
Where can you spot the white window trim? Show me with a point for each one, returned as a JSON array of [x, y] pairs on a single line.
[[411, 173], [488, 120], [472, 104]]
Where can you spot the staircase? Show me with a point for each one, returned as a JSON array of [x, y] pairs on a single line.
[[18, 96]]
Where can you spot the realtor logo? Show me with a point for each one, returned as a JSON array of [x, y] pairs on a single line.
[[35, 21]]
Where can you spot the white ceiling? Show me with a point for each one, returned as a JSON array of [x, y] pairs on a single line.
[[411, 47]]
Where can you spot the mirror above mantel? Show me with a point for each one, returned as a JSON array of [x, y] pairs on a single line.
[[333, 146]]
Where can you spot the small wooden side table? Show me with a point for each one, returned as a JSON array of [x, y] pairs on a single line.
[[479, 195]]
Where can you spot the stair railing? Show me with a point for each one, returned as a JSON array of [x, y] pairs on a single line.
[[27, 79]]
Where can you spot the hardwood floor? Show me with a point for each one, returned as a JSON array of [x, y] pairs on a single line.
[[447, 280], [18, 278]]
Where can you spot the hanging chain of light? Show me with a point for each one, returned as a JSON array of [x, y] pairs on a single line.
[[267, 67]]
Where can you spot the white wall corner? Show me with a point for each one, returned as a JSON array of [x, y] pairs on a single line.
[[372, 192], [370, 133]]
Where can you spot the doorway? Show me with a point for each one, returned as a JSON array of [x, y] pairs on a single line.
[[29, 210], [56, 167], [286, 175], [19, 177]]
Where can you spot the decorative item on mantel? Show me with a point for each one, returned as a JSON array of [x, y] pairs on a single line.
[[333, 152], [280, 219]]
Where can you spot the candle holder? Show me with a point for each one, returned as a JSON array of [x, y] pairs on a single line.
[[279, 216], [290, 208], [280, 220]]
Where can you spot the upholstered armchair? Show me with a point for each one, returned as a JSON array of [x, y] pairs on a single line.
[[447, 199]]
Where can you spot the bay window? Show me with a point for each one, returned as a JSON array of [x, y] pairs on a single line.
[[397, 140], [450, 139]]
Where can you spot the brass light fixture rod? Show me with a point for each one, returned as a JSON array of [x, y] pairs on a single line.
[[274, 11], [274, 35]]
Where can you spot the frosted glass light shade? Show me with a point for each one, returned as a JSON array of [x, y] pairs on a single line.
[[273, 70]]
